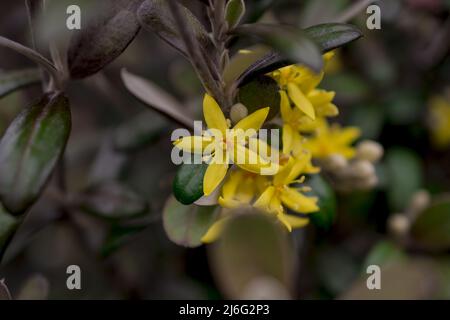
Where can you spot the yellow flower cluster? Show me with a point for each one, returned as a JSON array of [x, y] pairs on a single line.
[[306, 135]]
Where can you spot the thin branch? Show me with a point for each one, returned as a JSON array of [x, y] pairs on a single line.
[[194, 53], [354, 10], [34, 56]]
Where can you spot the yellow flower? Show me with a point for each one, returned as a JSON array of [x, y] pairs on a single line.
[[279, 194], [223, 145], [440, 121], [240, 189], [328, 141], [300, 85]]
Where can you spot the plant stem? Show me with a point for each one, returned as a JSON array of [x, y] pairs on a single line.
[[34, 56]]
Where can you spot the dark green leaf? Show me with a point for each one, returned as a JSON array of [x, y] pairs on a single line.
[[11, 81], [8, 225], [104, 38], [112, 201], [260, 93], [327, 202], [155, 16], [188, 182], [330, 36], [234, 12], [321, 34], [291, 42], [253, 248], [432, 228], [30, 149], [257, 8], [186, 225], [404, 174]]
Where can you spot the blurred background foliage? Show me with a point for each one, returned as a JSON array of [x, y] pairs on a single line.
[[388, 83]]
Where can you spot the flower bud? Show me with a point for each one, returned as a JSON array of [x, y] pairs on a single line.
[[362, 169], [369, 150], [335, 162], [419, 201], [238, 112], [399, 224]]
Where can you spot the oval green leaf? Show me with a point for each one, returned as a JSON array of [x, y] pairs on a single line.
[[188, 182], [330, 36], [186, 225], [30, 149], [262, 92], [234, 12]]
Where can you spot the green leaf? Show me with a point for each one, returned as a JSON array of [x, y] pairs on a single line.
[[14, 80], [290, 41], [252, 250], [155, 16], [260, 93], [111, 200], [327, 202], [321, 35], [104, 38], [234, 12], [330, 36], [432, 227], [117, 236], [186, 225], [188, 182], [30, 149], [404, 174], [383, 254], [8, 225]]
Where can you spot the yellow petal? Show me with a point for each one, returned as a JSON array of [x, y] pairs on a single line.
[[192, 144], [285, 106], [288, 137], [264, 199], [348, 135], [249, 160], [293, 222], [213, 176], [254, 120], [215, 231], [231, 184], [214, 116], [301, 101], [298, 202]]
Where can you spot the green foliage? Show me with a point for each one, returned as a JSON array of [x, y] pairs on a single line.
[[188, 182], [234, 11], [327, 202], [14, 80], [330, 36], [187, 224], [30, 149], [260, 93], [291, 42], [404, 175], [431, 229], [8, 225]]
